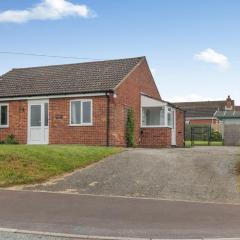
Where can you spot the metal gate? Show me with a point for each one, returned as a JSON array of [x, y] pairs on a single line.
[[201, 135]]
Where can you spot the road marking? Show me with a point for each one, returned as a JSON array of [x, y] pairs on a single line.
[[74, 236]]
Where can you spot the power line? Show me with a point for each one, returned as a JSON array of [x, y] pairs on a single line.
[[49, 56]]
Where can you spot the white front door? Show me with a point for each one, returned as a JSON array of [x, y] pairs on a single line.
[[173, 112], [38, 122]]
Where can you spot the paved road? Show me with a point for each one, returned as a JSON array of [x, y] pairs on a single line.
[[111, 216], [195, 174], [21, 236]]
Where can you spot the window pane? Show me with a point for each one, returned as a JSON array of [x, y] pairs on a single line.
[[170, 119], [162, 116], [35, 115], [4, 115], [153, 116], [75, 112], [46, 114], [86, 112]]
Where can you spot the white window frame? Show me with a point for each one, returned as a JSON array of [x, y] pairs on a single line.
[[166, 110], [70, 114], [169, 110], [7, 105]]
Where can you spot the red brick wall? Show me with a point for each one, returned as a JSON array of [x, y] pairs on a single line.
[[202, 121], [180, 128], [128, 96], [155, 137], [18, 111], [61, 133]]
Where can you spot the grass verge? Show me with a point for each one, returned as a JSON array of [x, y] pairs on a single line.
[[202, 143], [22, 164]]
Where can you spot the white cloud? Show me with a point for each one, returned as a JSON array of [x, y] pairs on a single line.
[[190, 98], [46, 10], [211, 56]]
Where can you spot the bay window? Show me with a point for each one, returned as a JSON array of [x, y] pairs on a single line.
[[81, 112], [3, 115], [157, 117], [153, 116]]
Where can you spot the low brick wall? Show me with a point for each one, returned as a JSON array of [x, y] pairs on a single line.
[[155, 137]]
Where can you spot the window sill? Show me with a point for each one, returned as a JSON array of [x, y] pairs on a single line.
[[81, 125], [4, 126], [156, 127]]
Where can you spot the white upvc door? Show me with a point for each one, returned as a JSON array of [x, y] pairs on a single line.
[[38, 129], [174, 135]]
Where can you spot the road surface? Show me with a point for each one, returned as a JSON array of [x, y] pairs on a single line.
[[116, 216]]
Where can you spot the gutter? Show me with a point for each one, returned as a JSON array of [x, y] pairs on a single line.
[[43, 96], [108, 94]]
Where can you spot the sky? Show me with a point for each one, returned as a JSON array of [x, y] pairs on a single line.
[[192, 47]]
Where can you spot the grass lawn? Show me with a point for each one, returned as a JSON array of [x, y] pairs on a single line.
[[21, 164], [202, 143]]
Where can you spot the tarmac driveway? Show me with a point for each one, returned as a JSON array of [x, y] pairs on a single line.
[[196, 174]]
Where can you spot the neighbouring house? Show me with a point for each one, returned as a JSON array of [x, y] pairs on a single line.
[[222, 116], [87, 103], [204, 112]]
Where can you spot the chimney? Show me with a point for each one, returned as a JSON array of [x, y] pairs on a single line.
[[229, 103]]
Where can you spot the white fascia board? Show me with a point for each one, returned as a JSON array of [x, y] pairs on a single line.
[[150, 102], [53, 96]]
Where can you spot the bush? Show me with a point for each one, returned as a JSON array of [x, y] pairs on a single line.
[[130, 128], [237, 168], [11, 139], [215, 136]]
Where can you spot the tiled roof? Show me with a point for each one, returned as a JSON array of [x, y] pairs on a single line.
[[201, 109], [66, 79], [227, 114]]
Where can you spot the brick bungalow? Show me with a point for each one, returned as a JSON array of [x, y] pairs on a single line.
[[86, 103]]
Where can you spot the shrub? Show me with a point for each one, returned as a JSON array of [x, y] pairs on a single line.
[[237, 168], [130, 128], [215, 136], [11, 139]]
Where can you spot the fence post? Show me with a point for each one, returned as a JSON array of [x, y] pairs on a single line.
[[209, 135], [192, 138]]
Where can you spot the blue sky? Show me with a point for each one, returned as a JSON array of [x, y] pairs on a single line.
[[192, 46]]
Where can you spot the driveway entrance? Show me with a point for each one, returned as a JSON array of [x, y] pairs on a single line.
[[203, 174]]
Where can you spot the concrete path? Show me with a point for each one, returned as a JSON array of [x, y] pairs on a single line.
[[116, 217], [204, 174]]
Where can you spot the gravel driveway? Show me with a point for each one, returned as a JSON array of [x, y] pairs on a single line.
[[196, 174]]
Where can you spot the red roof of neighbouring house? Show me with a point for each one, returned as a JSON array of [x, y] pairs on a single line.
[[202, 108]]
